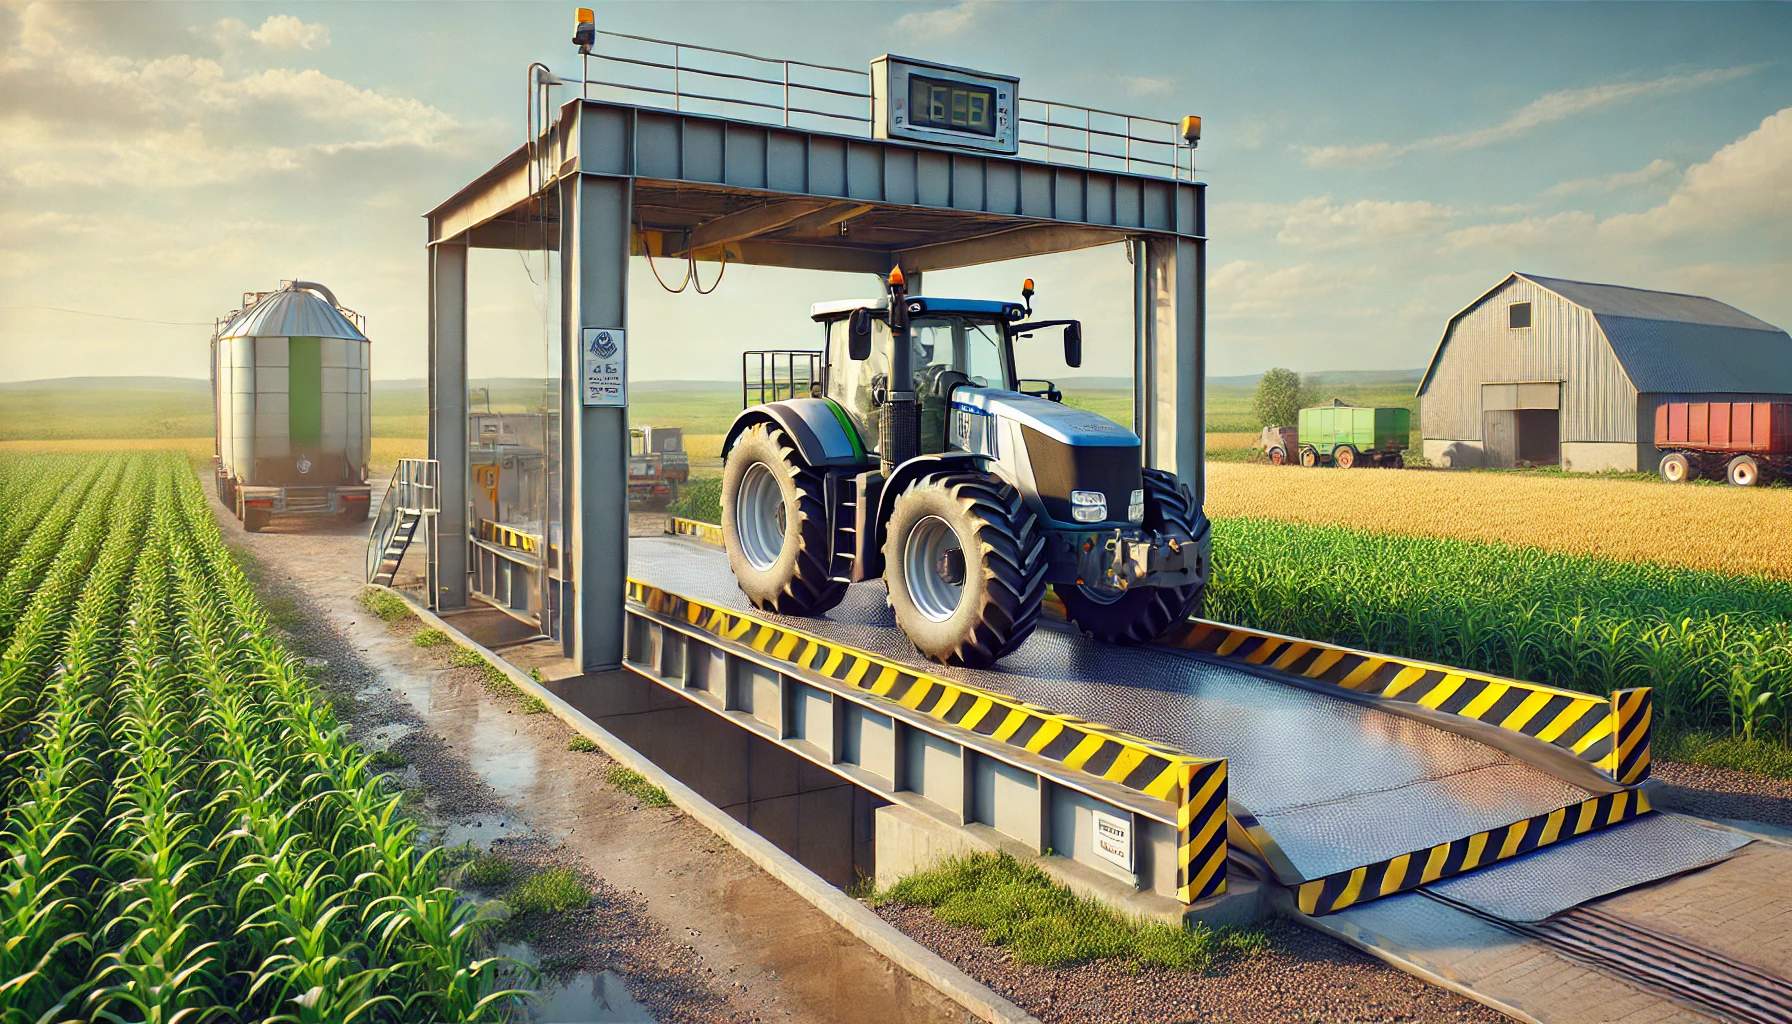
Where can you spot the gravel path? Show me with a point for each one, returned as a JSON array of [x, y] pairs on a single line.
[[1723, 793], [1304, 976]]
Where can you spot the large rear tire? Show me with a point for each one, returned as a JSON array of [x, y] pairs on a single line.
[[1141, 614], [775, 526], [1344, 457], [964, 559]]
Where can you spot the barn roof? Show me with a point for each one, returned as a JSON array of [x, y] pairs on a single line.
[[1668, 341]]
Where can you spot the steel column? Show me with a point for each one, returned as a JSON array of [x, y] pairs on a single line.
[[594, 262], [1175, 361], [447, 571]]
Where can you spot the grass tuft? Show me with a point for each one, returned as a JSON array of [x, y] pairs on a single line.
[[466, 657], [530, 704], [386, 760], [1759, 757], [488, 872], [581, 744], [1044, 924], [554, 891], [430, 637], [636, 785], [389, 607]]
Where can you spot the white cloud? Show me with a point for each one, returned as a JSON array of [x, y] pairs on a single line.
[[1746, 185], [1748, 182], [1320, 222], [1550, 108], [1147, 85], [285, 32], [1654, 170], [1539, 232], [1251, 289], [944, 21], [184, 120]]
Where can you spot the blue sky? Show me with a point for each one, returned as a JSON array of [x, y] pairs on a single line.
[[1372, 168]]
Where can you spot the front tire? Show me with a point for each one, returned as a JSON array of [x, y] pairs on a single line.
[[1142, 614], [1278, 457], [775, 526], [1344, 457], [964, 559], [1309, 456]]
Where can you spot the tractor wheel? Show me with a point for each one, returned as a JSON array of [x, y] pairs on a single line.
[[1309, 456], [1344, 457], [1676, 468], [1278, 457], [964, 559], [1141, 614], [775, 526], [1743, 471]]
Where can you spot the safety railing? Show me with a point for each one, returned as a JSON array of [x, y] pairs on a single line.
[[411, 493], [775, 90], [774, 374]]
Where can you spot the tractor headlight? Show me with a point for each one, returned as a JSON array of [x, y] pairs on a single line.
[[1088, 506], [1135, 507]]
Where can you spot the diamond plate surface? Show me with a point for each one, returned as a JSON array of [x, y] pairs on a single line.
[[1337, 784], [1546, 882]]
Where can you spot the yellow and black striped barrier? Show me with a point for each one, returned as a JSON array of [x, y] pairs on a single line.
[[1610, 733], [1411, 870], [1194, 786], [509, 537], [708, 533]]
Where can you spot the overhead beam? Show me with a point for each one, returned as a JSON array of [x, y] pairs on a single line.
[[1006, 244], [748, 223], [827, 217]]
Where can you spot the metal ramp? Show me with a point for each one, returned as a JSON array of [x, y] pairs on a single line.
[[1349, 776], [409, 500]]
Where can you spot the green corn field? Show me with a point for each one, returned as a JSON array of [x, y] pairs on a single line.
[[1716, 648], [188, 834]]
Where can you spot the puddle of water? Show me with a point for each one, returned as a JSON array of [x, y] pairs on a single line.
[[480, 833], [588, 997], [384, 736]]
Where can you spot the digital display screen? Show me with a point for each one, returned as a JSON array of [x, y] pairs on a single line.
[[935, 103]]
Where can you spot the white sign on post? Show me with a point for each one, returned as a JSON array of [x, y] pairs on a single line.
[[604, 356], [1113, 838]]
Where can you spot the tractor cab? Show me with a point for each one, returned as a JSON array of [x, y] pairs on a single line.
[[953, 344]]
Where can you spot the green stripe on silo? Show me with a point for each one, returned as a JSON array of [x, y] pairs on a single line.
[[305, 390]]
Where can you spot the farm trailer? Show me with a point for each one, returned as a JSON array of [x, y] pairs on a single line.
[[1745, 443], [1347, 436]]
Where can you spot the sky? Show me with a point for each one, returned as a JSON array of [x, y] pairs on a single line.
[[1371, 169]]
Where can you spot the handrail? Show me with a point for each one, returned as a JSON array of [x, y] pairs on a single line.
[[413, 489], [1173, 157]]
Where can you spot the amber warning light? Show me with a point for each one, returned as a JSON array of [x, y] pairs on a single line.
[[584, 32]]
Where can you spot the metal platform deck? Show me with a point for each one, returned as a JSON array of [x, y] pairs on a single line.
[[1343, 796]]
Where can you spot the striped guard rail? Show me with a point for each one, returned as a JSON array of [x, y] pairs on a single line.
[[509, 537], [1195, 787], [1411, 870], [1610, 733]]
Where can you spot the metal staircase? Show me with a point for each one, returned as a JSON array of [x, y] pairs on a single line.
[[409, 502]]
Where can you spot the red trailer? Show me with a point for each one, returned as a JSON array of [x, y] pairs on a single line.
[[1742, 442]]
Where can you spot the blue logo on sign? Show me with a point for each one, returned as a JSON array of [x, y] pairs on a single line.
[[603, 346]]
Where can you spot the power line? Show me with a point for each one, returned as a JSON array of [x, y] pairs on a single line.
[[114, 316]]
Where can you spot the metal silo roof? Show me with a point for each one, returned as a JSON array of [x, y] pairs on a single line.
[[291, 313]]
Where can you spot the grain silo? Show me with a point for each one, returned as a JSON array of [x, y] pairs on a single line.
[[290, 390]]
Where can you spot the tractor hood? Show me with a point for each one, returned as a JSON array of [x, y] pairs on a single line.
[[1061, 423]]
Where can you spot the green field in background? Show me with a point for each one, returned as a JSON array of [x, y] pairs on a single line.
[[80, 408]]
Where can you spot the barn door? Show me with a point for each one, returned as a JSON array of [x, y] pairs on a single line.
[[1499, 437]]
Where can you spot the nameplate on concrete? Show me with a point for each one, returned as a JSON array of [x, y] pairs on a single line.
[[1113, 838], [605, 356]]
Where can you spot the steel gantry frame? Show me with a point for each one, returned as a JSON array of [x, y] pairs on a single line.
[[609, 180]]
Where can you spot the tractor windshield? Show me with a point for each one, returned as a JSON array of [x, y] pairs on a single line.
[[971, 347]]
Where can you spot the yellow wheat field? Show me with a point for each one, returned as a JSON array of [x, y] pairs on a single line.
[[1720, 528]]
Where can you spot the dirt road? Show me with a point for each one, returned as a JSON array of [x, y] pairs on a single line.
[[689, 928]]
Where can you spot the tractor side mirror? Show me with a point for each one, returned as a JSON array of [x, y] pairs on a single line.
[[858, 335], [1073, 344]]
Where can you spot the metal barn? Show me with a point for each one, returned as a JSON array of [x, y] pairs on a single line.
[[1544, 371]]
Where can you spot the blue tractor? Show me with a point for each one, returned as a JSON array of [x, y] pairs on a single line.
[[921, 458]]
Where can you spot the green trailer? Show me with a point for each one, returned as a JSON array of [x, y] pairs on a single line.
[[1349, 435]]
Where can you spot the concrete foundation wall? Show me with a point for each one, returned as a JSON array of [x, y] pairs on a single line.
[[1598, 456], [806, 811]]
